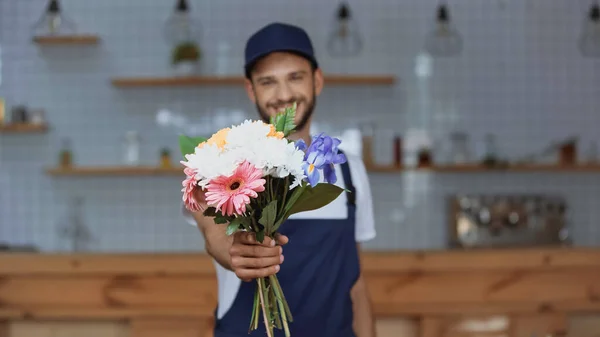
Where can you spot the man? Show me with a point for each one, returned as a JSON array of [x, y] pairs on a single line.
[[320, 274]]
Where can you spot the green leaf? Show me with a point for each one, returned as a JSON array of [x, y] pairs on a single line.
[[285, 214], [245, 222], [220, 218], [316, 197], [260, 236], [211, 211], [187, 144], [232, 228], [236, 224], [268, 216], [288, 205], [284, 121], [294, 197]]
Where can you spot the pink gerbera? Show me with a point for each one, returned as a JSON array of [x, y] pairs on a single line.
[[231, 194], [189, 188]]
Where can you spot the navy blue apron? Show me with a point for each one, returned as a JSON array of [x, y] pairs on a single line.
[[320, 268]]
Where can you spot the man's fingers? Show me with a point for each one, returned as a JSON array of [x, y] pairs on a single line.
[[248, 274], [251, 259], [249, 238], [254, 251], [240, 262], [281, 239]]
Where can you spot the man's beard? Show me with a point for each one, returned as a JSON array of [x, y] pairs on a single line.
[[302, 123]]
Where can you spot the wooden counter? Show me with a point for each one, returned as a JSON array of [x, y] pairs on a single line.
[[177, 292]]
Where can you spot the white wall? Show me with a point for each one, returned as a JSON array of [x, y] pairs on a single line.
[[520, 77]]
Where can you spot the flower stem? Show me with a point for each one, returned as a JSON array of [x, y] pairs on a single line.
[[254, 225], [255, 311], [273, 299], [285, 192], [261, 288], [279, 292], [271, 188], [283, 306]]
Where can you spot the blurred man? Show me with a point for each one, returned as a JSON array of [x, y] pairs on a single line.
[[320, 274]]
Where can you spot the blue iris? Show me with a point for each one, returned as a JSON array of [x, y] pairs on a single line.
[[322, 154]]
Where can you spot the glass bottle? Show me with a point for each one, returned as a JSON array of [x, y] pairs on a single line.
[[460, 149], [74, 228], [223, 51], [491, 151], [131, 149], [66, 154], [592, 153], [2, 104], [368, 132]]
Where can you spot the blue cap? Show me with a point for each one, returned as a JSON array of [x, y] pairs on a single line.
[[278, 37]]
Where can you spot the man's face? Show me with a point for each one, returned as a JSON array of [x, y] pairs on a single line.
[[281, 79]]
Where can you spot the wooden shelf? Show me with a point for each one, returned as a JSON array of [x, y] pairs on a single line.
[[539, 168], [178, 171], [582, 168], [66, 40], [473, 168], [23, 128], [130, 82], [116, 171], [383, 168]]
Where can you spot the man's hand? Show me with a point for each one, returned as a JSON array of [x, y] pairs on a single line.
[[240, 252], [200, 198], [251, 259]]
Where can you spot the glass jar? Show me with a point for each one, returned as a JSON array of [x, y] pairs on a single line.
[[66, 154], [460, 149], [131, 149], [491, 150]]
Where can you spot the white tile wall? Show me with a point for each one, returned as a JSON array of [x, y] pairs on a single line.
[[520, 77]]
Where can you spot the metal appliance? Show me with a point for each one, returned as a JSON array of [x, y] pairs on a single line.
[[495, 221]]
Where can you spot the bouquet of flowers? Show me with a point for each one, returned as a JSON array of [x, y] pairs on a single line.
[[253, 178]]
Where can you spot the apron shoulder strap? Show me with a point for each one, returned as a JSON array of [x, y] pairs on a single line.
[[348, 182]]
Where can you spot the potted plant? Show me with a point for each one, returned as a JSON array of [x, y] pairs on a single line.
[[165, 158], [185, 58], [424, 158]]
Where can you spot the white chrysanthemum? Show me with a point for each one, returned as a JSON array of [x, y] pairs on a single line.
[[250, 142], [209, 162], [278, 158], [247, 132], [295, 160]]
